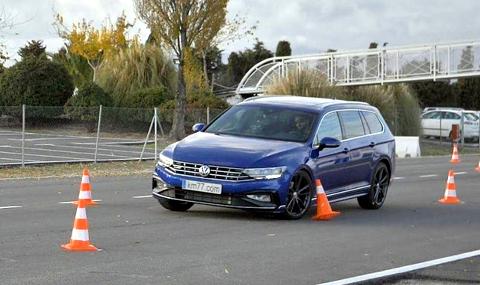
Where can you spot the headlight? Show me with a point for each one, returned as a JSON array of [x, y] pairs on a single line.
[[164, 161], [265, 173]]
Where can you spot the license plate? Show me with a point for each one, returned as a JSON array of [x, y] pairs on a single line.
[[202, 187]]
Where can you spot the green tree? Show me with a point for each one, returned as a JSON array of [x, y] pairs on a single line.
[[181, 25], [37, 82], [33, 48], [83, 106], [468, 93], [239, 63], [283, 49], [77, 66], [434, 94]]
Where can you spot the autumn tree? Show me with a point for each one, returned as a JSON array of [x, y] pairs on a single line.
[[181, 26], [95, 45]]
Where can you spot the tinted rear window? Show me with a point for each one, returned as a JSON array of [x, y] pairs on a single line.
[[352, 124], [373, 122]]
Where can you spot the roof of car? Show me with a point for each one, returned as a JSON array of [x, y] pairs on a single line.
[[298, 101]]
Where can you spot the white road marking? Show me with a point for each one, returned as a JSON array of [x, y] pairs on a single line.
[[71, 202], [461, 173], [141, 197], [5, 145], [428, 175], [42, 177], [42, 155], [102, 149], [9, 207], [45, 144], [398, 178], [404, 269], [67, 151]]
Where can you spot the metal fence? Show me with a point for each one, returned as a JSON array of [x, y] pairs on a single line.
[[43, 134], [36, 134]]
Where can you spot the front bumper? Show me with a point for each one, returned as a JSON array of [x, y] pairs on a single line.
[[233, 196]]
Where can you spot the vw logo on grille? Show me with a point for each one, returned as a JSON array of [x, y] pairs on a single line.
[[204, 170]]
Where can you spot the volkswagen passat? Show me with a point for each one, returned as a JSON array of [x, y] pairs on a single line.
[[265, 153]]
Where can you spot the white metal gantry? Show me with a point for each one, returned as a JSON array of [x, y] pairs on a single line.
[[372, 66]]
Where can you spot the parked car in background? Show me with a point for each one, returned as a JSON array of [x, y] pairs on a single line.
[[438, 123], [265, 153]]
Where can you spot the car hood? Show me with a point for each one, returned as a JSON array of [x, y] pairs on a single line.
[[233, 151]]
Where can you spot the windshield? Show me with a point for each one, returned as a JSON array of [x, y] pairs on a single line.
[[265, 122], [470, 116]]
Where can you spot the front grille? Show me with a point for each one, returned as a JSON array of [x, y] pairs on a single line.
[[198, 196], [216, 172]]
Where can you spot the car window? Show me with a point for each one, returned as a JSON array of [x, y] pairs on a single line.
[[432, 115], [352, 124], [373, 122], [329, 127], [451, 116], [470, 116]]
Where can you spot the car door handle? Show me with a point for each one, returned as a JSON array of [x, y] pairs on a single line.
[[346, 150], [372, 144]]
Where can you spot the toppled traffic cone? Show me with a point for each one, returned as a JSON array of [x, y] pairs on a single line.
[[324, 211], [478, 167], [85, 194], [455, 159], [450, 196], [79, 240]]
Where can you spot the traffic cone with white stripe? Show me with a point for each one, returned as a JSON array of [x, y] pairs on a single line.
[[450, 196], [455, 159], [478, 167], [324, 211], [80, 240], [85, 194]]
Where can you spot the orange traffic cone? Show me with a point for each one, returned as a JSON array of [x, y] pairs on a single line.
[[324, 211], [450, 196], [79, 240], [85, 194], [455, 159], [478, 167]]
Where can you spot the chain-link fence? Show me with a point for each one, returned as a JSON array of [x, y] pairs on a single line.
[[40, 134], [36, 134]]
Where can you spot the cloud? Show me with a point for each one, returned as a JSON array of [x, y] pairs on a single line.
[[311, 26]]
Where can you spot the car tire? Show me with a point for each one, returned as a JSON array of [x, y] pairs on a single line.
[[299, 197], [172, 205], [378, 188]]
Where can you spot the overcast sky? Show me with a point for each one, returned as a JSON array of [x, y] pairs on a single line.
[[311, 26]]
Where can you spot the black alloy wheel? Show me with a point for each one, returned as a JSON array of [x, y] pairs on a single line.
[[378, 189], [299, 196]]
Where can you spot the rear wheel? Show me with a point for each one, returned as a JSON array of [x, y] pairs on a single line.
[[378, 189], [299, 196], [172, 205]]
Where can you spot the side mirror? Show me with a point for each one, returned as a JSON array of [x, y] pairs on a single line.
[[328, 142], [198, 127]]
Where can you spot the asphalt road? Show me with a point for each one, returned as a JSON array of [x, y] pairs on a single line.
[[142, 243], [57, 147]]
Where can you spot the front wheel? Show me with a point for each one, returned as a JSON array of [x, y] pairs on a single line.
[[378, 189], [299, 196], [172, 205]]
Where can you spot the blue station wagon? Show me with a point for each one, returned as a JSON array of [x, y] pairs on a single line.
[[265, 153]]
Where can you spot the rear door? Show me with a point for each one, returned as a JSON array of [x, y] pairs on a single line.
[[431, 123], [360, 146]]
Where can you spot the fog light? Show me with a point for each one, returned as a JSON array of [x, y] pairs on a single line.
[[260, 197]]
